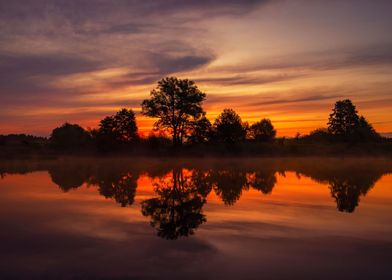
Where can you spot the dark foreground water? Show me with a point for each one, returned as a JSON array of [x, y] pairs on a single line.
[[196, 219]]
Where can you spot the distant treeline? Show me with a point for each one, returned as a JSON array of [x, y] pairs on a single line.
[[183, 128]]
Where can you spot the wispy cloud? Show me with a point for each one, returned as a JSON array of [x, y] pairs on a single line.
[[260, 56], [311, 98]]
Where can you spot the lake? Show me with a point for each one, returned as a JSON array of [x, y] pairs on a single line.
[[117, 218]]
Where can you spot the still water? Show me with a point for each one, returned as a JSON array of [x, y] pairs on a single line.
[[196, 219]]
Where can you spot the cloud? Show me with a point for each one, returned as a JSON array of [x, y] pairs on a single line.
[[331, 59], [83, 11], [167, 64], [288, 97], [311, 98], [249, 80], [59, 53], [21, 73]]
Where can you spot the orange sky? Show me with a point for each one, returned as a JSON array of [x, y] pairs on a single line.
[[285, 60]]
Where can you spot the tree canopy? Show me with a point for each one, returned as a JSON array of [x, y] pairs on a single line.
[[121, 126], [118, 129], [229, 128], [202, 131], [345, 123], [69, 136], [177, 103], [263, 131]]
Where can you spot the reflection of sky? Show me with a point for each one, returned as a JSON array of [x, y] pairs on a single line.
[[294, 231], [78, 61]]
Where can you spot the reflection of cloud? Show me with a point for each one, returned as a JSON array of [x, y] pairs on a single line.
[[86, 250]]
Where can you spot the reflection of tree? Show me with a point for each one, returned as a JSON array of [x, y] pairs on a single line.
[[121, 186], [347, 191], [348, 181], [69, 176], [178, 209], [263, 180], [228, 184], [112, 181]]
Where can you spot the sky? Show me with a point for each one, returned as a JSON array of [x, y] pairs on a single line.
[[286, 60]]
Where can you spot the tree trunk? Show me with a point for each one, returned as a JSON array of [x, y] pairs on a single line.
[[175, 136]]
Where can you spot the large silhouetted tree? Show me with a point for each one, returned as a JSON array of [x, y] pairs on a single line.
[[69, 136], [177, 104], [345, 123], [263, 131], [228, 127], [344, 119]]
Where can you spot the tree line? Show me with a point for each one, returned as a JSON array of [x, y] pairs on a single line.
[[177, 106]]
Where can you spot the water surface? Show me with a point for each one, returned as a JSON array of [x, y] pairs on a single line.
[[196, 219]]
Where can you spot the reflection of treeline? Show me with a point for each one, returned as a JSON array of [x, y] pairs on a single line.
[[181, 187], [117, 182], [180, 194], [182, 127], [348, 180]]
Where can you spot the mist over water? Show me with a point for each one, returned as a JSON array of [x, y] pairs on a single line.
[[196, 218]]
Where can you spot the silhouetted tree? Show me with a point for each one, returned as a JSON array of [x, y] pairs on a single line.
[[69, 136], [345, 123], [118, 129], [263, 131], [177, 104], [366, 130], [22, 139], [228, 127], [178, 209], [155, 143], [317, 135], [202, 131], [344, 120]]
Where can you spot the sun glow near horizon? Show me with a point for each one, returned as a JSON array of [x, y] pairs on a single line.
[[286, 61]]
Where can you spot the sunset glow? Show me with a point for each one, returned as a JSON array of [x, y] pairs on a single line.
[[79, 61]]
